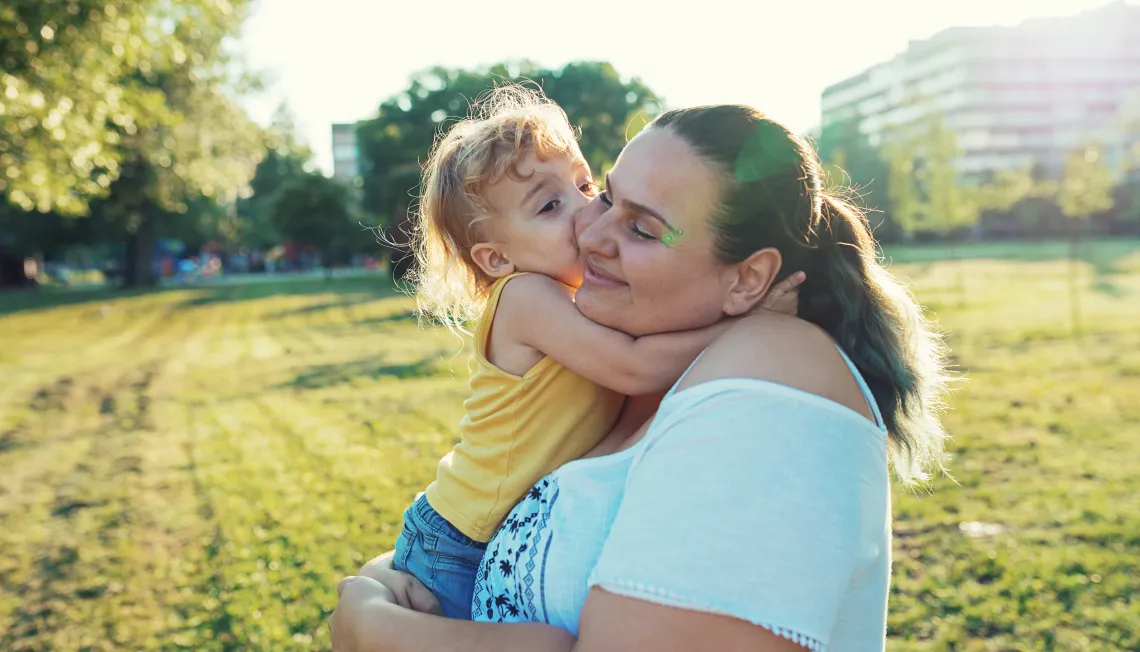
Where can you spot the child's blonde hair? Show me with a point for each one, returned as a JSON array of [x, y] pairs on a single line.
[[503, 126]]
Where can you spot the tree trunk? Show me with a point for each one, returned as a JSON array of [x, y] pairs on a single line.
[[141, 242], [956, 252], [1074, 286]]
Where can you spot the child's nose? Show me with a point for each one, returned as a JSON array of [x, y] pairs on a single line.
[[578, 200], [585, 221]]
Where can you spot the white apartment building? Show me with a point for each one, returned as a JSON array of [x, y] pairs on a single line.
[[1013, 95], [345, 153]]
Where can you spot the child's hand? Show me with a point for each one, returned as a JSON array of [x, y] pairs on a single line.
[[784, 297], [408, 592]]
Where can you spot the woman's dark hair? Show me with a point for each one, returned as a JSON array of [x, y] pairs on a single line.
[[772, 196]]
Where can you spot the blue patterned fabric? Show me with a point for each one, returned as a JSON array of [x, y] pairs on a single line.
[[534, 568], [517, 560]]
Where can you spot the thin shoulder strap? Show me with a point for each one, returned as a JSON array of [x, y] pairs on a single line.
[[690, 368], [483, 326], [872, 404]]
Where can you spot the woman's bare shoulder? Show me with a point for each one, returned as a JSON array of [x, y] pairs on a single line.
[[782, 350]]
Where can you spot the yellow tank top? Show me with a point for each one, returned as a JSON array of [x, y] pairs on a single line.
[[517, 429]]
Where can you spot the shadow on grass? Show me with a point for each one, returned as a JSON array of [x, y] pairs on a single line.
[[379, 324], [234, 289], [351, 290], [330, 375], [394, 318], [13, 301], [1108, 288], [348, 301], [1103, 254]]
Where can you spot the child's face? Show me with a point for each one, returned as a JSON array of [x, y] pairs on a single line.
[[533, 226]]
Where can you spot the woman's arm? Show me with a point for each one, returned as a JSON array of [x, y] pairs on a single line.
[[613, 623], [367, 620]]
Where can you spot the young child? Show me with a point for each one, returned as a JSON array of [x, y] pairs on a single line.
[[495, 247]]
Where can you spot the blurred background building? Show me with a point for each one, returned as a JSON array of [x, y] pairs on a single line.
[[346, 155], [1013, 95]]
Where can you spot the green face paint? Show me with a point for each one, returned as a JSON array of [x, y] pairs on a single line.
[[670, 238]]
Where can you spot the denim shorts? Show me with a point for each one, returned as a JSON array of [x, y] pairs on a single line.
[[440, 556]]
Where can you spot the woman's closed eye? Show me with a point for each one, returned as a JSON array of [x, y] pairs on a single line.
[[635, 227], [640, 232], [549, 206]]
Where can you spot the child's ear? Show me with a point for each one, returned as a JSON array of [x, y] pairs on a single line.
[[493, 262]]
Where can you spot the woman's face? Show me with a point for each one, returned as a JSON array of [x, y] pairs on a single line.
[[650, 265]]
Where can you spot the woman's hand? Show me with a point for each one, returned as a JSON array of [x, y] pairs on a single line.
[[784, 297], [357, 623], [408, 592]]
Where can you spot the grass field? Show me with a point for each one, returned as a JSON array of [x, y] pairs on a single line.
[[195, 468]]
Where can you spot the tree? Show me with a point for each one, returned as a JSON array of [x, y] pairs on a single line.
[[1127, 196], [928, 193], [285, 159], [607, 109], [125, 101], [953, 204], [313, 210], [63, 99], [850, 160], [1085, 190], [905, 207], [395, 142]]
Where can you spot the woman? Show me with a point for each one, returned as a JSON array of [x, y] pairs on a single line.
[[753, 513]]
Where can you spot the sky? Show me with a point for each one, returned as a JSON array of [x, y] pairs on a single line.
[[337, 60]]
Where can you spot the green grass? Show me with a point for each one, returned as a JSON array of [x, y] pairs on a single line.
[[195, 468]]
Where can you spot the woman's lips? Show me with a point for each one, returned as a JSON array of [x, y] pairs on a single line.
[[599, 278]]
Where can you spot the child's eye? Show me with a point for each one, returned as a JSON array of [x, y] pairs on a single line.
[[549, 206], [589, 188]]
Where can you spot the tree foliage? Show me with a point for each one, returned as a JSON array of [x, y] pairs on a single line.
[[313, 210], [850, 159], [925, 186], [395, 142], [285, 159], [1086, 185], [128, 105], [92, 91]]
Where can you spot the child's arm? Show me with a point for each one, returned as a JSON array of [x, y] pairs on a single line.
[[540, 313]]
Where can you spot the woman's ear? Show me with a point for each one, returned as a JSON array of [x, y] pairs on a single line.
[[754, 275], [493, 262]]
